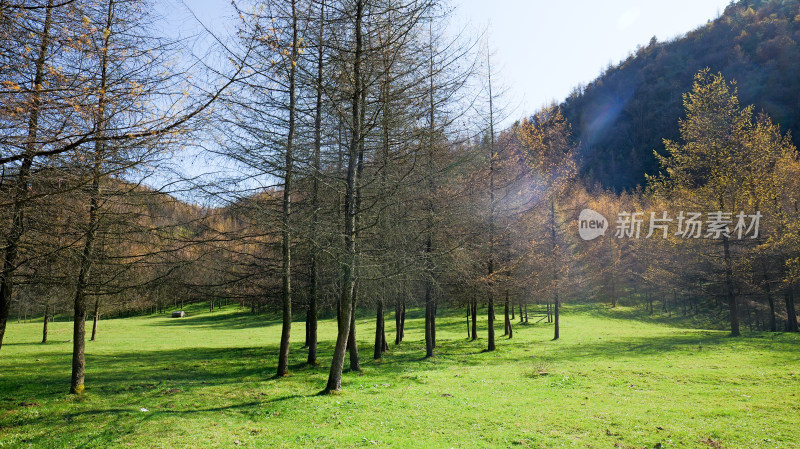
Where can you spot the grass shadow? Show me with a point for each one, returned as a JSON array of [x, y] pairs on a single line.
[[238, 319]]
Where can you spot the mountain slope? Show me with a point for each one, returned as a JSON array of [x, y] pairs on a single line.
[[625, 114]]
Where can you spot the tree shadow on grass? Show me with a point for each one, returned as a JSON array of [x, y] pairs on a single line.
[[200, 367], [709, 319], [118, 385], [223, 319], [244, 375], [36, 343], [152, 372], [233, 318], [122, 421], [457, 352]]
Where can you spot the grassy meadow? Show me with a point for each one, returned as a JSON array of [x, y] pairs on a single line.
[[616, 379]]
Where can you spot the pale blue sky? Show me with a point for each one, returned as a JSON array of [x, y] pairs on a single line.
[[542, 48], [545, 48]]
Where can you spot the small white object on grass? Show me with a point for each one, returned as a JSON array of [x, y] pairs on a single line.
[[143, 410]]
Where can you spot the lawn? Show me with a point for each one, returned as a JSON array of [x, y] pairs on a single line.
[[612, 381]]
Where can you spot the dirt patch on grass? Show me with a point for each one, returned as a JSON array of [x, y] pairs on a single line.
[[712, 443]]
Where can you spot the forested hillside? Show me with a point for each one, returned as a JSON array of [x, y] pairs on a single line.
[[624, 115], [146, 255]]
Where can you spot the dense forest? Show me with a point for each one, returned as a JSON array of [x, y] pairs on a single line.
[[361, 185], [622, 117]]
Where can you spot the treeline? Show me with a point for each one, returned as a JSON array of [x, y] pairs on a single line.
[[92, 101], [364, 170], [623, 115], [143, 261], [713, 236]]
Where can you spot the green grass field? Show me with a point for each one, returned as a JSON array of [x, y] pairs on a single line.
[[206, 381]]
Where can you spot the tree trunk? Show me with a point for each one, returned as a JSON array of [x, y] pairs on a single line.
[[311, 315], [343, 324], [791, 314], [491, 346], [307, 332], [403, 323], [469, 334], [79, 326], [474, 319], [20, 189], [95, 318], [492, 157], [509, 329], [732, 305], [46, 320], [556, 328], [286, 259], [507, 318], [771, 301], [435, 307], [311, 326], [355, 364], [398, 321], [428, 319], [379, 333], [87, 257], [429, 309]]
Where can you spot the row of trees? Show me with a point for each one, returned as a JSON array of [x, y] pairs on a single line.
[[350, 104], [90, 101], [363, 171]]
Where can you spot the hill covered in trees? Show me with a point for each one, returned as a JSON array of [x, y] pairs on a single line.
[[624, 115]]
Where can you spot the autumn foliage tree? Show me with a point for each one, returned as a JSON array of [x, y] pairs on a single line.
[[726, 162]]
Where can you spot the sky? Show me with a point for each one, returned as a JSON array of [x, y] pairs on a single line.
[[542, 49]]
